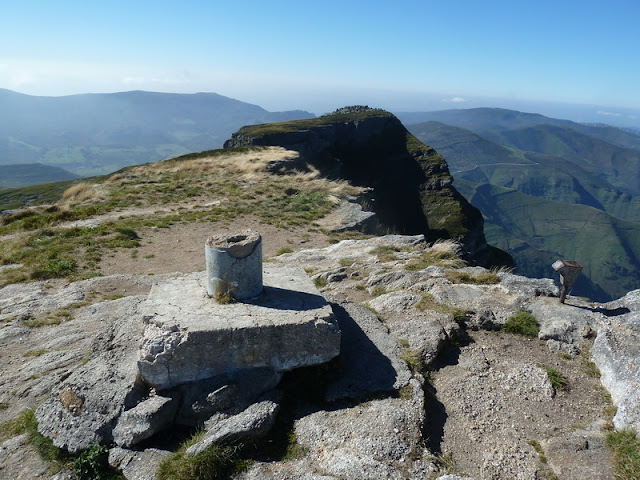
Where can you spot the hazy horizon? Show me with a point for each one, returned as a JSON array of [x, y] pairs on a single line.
[[401, 56], [615, 116]]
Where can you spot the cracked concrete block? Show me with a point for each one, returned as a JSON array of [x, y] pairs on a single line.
[[189, 336]]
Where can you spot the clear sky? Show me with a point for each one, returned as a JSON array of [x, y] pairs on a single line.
[[319, 55]]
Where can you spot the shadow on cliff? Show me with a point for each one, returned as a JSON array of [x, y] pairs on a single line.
[[366, 372]]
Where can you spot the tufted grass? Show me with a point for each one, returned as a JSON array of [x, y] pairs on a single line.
[[214, 463], [625, 448], [208, 187], [484, 278]]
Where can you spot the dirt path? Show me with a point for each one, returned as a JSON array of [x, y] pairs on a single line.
[[492, 412], [180, 248]]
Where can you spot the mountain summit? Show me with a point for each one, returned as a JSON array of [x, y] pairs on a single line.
[[410, 187]]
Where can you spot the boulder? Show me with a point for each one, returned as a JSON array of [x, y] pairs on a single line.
[[253, 422], [144, 420], [350, 216], [137, 464], [563, 322], [229, 394]]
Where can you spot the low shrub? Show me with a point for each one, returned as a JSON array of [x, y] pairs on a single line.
[[93, 464], [557, 379], [522, 323]]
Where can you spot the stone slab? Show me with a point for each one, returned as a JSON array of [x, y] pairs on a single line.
[[189, 336]]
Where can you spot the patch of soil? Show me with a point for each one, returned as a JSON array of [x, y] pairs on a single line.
[[180, 248], [493, 417]]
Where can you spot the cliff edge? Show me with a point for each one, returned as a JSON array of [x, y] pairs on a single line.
[[411, 189]]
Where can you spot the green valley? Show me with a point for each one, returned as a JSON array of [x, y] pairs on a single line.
[[548, 191]]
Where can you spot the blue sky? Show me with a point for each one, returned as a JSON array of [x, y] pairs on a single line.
[[400, 55]]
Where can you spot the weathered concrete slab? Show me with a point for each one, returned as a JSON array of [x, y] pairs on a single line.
[[189, 336]]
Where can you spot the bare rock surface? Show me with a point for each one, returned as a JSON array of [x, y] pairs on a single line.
[[82, 410], [572, 454], [616, 352], [360, 250], [488, 410], [147, 418], [137, 464], [350, 216], [495, 399], [223, 395], [377, 439]]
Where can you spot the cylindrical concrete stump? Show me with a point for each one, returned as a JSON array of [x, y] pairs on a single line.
[[234, 265]]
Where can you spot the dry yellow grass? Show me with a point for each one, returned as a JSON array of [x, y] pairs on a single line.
[[80, 192], [250, 166]]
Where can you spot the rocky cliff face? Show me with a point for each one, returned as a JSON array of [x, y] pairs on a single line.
[[411, 188]]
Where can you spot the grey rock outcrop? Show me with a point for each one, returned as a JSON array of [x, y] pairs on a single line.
[[137, 464], [376, 439], [229, 394], [370, 357], [84, 408], [616, 352], [351, 217], [412, 189]]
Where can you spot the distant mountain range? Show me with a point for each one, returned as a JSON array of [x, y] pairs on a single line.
[[23, 175], [548, 189], [92, 134]]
